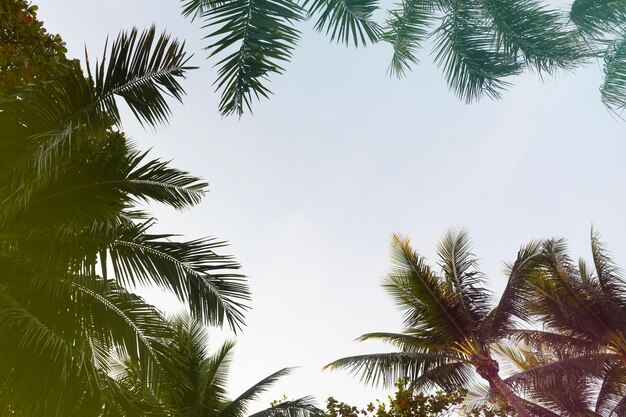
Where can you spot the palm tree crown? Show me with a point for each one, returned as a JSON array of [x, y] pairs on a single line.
[[449, 323]]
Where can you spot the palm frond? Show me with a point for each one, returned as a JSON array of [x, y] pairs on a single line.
[[463, 48], [613, 89], [594, 17], [612, 390], [191, 270], [527, 30], [513, 300], [608, 274], [346, 20], [386, 368], [300, 407], [460, 269], [238, 406], [406, 342], [253, 38], [568, 345], [143, 69], [427, 304], [405, 29]]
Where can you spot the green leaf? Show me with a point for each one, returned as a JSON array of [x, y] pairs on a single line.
[[464, 49], [346, 20], [252, 38], [406, 28]]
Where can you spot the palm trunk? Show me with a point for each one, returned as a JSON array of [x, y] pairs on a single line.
[[508, 394]]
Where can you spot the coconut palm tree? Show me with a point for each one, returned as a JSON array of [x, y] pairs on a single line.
[[561, 384], [449, 322], [583, 313], [198, 387], [73, 246]]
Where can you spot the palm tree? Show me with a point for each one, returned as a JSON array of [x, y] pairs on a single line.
[[560, 384], [478, 43], [449, 323], [583, 313], [198, 387], [72, 245]]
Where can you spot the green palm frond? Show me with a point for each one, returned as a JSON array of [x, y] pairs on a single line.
[[613, 89], [238, 407], [195, 8], [253, 38], [460, 269], [404, 341], [405, 29], [142, 69], [515, 296], [609, 275], [346, 21], [464, 49], [191, 270], [593, 17], [528, 31], [300, 407], [386, 368], [427, 303]]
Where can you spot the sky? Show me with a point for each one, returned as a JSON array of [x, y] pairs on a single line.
[[309, 189]]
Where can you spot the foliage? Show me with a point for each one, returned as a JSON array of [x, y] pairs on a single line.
[[478, 43], [28, 53], [449, 325], [194, 384], [404, 403], [407, 402], [73, 247]]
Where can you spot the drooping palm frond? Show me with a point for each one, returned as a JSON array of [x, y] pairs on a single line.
[[406, 28], [594, 17], [346, 21], [528, 31], [191, 270], [464, 49], [252, 38], [613, 89]]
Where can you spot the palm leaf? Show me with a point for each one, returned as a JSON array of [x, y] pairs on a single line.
[[386, 368], [252, 38], [613, 90], [459, 267], [346, 20], [406, 28], [239, 405], [527, 30], [428, 305], [464, 49], [593, 17], [300, 407], [513, 300]]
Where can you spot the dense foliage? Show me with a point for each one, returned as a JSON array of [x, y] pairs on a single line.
[[28, 53], [478, 44]]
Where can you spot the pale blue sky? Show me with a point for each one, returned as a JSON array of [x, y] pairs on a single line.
[[310, 188]]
